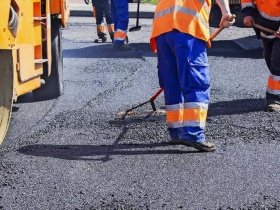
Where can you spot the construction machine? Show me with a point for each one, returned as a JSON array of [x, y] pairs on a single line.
[[30, 52]]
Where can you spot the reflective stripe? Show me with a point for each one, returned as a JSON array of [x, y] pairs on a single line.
[[274, 92], [275, 77], [185, 10], [100, 28], [266, 16], [273, 85], [120, 35], [196, 105], [186, 124], [195, 114], [174, 116], [194, 124], [267, 36], [173, 107], [248, 4], [110, 28]]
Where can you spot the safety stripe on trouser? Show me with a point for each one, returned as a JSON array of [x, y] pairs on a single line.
[[100, 28], [184, 76], [273, 85], [193, 115], [110, 28], [120, 15]]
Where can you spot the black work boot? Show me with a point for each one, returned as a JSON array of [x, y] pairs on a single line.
[[112, 37], [202, 146], [101, 38], [126, 40], [273, 106]]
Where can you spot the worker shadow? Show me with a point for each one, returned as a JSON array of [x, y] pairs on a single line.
[[230, 49], [236, 107], [102, 153], [106, 50]]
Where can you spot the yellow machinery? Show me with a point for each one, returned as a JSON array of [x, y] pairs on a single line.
[[30, 51]]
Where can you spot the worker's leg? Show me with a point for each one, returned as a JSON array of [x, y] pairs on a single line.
[[99, 22], [169, 81], [109, 21], [121, 8], [272, 57], [194, 78]]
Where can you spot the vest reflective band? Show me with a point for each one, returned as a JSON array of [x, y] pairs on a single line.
[[110, 28], [100, 28], [191, 17], [120, 35], [273, 85], [269, 9], [192, 114]]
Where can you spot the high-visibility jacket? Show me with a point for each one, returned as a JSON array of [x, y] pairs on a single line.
[[269, 9], [191, 17]]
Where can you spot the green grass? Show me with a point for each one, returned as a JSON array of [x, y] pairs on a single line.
[[149, 1]]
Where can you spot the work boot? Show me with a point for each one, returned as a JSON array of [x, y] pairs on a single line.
[[126, 40], [122, 47], [175, 141], [100, 39], [112, 37], [273, 106], [202, 146]]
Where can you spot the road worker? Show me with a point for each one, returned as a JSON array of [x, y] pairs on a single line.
[[120, 15], [267, 14], [180, 36], [99, 8]]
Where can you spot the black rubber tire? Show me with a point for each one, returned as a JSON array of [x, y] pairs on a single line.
[[53, 86]]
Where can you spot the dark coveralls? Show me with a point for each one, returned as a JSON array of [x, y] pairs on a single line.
[[271, 51], [103, 7]]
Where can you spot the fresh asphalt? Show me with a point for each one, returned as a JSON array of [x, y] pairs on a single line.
[[76, 153]]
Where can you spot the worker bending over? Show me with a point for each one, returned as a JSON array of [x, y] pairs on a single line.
[[267, 14], [180, 35]]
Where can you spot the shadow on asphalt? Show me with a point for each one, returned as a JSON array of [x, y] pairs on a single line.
[[106, 50], [229, 49], [88, 152], [220, 48], [236, 107]]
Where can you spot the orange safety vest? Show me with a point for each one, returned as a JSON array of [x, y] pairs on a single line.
[[191, 17], [269, 9]]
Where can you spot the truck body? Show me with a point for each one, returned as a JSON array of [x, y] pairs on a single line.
[[30, 52]]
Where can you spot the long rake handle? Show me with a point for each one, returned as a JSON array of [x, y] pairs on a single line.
[[156, 94], [263, 28]]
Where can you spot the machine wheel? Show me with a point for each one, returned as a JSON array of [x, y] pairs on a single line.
[[53, 86], [6, 91]]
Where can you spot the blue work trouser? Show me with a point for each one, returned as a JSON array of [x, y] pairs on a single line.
[[184, 75], [120, 16]]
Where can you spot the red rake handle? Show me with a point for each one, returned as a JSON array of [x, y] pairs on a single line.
[[156, 94], [213, 36]]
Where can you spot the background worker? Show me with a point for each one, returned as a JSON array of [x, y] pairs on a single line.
[[267, 14], [180, 36], [120, 15], [100, 7]]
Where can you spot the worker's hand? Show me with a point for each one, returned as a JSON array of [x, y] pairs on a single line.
[[248, 21], [277, 34], [227, 20]]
